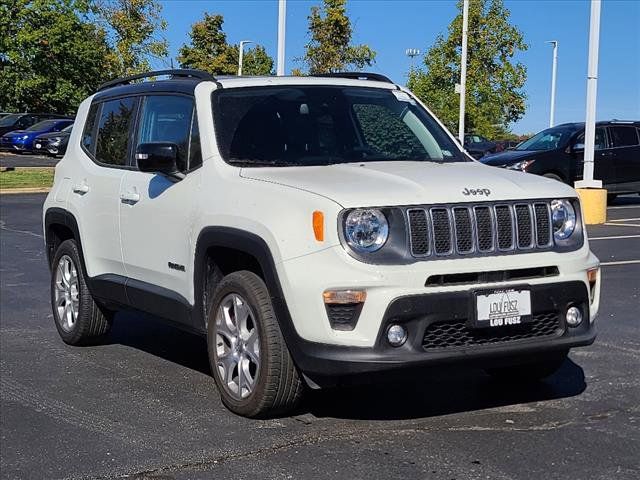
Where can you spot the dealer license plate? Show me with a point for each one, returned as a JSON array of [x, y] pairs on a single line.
[[500, 308], [38, 145]]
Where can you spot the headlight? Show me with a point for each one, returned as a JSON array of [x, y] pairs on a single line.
[[563, 219], [366, 230], [521, 165]]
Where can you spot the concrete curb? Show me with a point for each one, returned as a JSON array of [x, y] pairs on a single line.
[[15, 191]]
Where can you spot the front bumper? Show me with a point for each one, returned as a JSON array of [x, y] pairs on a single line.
[[447, 313]]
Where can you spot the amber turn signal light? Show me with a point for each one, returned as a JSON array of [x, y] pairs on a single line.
[[344, 296], [318, 225]]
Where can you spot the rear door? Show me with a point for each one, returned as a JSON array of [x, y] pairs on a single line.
[[626, 151], [104, 151], [157, 213]]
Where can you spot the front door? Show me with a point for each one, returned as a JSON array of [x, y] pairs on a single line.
[[603, 167], [156, 212]]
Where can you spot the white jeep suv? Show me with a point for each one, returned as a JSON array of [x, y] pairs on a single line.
[[318, 231]]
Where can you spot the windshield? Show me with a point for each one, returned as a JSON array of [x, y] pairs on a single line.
[[549, 139], [9, 120], [323, 125], [44, 125]]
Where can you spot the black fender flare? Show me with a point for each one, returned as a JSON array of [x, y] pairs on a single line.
[[255, 246], [60, 216]]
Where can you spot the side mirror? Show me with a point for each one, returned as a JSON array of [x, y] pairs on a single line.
[[578, 147], [159, 157]]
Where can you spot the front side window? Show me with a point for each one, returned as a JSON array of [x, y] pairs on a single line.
[[167, 118], [624, 136], [600, 141], [112, 141], [322, 125]]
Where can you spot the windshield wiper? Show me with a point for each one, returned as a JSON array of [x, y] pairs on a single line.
[[261, 163]]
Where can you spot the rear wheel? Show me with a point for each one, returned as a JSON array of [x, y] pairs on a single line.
[[78, 318], [251, 364], [529, 372]]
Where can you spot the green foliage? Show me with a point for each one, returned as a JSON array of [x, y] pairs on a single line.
[[51, 57], [329, 49], [210, 51], [494, 80], [135, 27]]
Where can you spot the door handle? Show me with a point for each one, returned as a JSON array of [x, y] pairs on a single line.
[[130, 197], [81, 189]]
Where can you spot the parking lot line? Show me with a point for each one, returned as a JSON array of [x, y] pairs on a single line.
[[614, 237], [622, 262], [624, 219], [622, 207]]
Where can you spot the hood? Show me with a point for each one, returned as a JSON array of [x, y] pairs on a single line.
[[410, 183], [16, 133], [508, 157]]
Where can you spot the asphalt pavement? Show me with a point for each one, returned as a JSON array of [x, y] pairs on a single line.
[[143, 404], [26, 160]]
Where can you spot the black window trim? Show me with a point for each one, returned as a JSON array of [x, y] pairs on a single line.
[[100, 103]]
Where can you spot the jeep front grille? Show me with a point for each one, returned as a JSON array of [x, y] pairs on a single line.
[[482, 229]]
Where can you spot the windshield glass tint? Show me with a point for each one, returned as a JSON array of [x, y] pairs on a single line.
[[9, 120], [45, 125], [321, 125], [549, 139]]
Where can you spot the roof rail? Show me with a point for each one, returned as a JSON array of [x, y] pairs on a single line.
[[377, 77], [186, 73]]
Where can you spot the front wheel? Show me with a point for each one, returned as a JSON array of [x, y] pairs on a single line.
[[530, 372], [251, 364]]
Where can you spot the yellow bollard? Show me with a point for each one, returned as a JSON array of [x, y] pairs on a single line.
[[594, 205]]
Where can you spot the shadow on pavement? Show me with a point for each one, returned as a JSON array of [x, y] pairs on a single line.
[[436, 392], [440, 393]]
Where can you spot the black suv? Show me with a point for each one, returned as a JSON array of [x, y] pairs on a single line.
[[477, 146], [558, 152]]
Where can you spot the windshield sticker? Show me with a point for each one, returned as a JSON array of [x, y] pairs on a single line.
[[403, 96], [447, 153]]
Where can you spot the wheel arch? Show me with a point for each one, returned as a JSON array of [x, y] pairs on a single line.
[[255, 255], [61, 225]]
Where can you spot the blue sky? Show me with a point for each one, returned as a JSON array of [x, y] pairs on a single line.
[[392, 26]]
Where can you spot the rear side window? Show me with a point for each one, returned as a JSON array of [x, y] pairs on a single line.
[[112, 141], [167, 118], [624, 136], [88, 134]]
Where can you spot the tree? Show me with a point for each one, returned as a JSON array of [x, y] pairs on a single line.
[[329, 49], [209, 51], [51, 56], [135, 28], [494, 80]]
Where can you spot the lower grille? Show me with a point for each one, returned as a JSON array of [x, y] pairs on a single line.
[[456, 334]]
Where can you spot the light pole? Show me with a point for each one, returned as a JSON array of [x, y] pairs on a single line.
[[242, 44], [412, 53], [282, 19], [592, 88], [554, 70], [463, 69]]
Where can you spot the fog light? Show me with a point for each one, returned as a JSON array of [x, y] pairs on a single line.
[[396, 335], [574, 316]]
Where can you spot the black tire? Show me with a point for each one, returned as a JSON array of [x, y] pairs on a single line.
[[529, 372], [277, 388], [553, 176], [92, 322]]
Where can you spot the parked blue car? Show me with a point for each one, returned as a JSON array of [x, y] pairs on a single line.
[[22, 140]]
